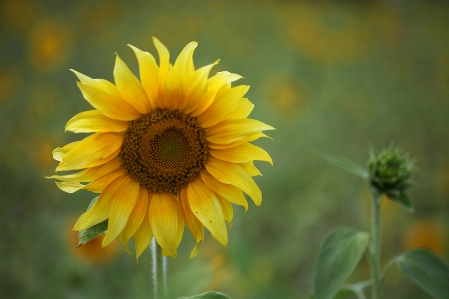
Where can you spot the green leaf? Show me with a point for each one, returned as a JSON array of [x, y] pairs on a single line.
[[86, 235], [208, 295], [427, 271], [348, 165], [403, 200], [337, 258]]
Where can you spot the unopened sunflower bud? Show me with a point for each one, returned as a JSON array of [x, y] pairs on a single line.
[[389, 171]]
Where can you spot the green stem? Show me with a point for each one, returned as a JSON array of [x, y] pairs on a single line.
[[159, 271], [375, 245]]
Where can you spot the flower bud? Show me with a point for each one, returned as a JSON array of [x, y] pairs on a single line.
[[389, 171]]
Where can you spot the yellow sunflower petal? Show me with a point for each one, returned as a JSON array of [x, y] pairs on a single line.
[[94, 121], [96, 186], [135, 219], [102, 207], [130, 87], [214, 85], [123, 204], [226, 207], [99, 185], [164, 59], [173, 92], [180, 232], [250, 169], [194, 225], [164, 221], [149, 74], [207, 209], [143, 235], [106, 98], [196, 89], [243, 109], [242, 153], [60, 152], [224, 103], [90, 174], [184, 63], [230, 173], [231, 130], [227, 191], [94, 150], [238, 142]]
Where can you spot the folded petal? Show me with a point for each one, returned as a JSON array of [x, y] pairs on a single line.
[[164, 59], [94, 150], [106, 98], [163, 214], [149, 75], [172, 93], [214, 85], [231, 173], [130, 87], [123, 204], [94, 121], [143, 235], [60, 152], [231, 130], [225, 102], [250, 169], [227, 191], [196, 89], [242, 153], [226, 207], [102, 207], [243, 109], [90, 174], [184, 63], [194, 225], [96, 186], [135, 218], [207, 209]]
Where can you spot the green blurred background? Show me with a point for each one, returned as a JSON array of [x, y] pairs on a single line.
[[332, 78]]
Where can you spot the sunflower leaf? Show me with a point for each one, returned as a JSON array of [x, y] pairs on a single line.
[[427, 271], [348, 165], [208, 295], [337, 258], [86, 235]]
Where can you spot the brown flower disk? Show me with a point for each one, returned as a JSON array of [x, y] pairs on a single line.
[[164, 150]]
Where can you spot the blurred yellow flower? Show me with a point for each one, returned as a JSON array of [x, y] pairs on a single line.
[[427, 234], [171, 149]]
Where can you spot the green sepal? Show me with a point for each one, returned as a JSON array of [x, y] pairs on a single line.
[[348, 166], [427, 271], [337, 258], [86, 235], [402, 200], [208, 295]]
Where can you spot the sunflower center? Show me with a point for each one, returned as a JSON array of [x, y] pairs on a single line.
[[164, 150]]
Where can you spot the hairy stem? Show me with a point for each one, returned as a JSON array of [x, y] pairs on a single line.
[[159, 271], [375, 245]]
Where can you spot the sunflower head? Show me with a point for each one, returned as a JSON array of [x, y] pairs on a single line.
[[167, 150]]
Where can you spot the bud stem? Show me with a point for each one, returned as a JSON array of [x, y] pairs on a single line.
[[375, 245]]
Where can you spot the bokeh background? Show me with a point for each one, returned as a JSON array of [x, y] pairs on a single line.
[[332, 77]]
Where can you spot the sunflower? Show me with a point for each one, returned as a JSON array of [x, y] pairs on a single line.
[[168, 150]]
